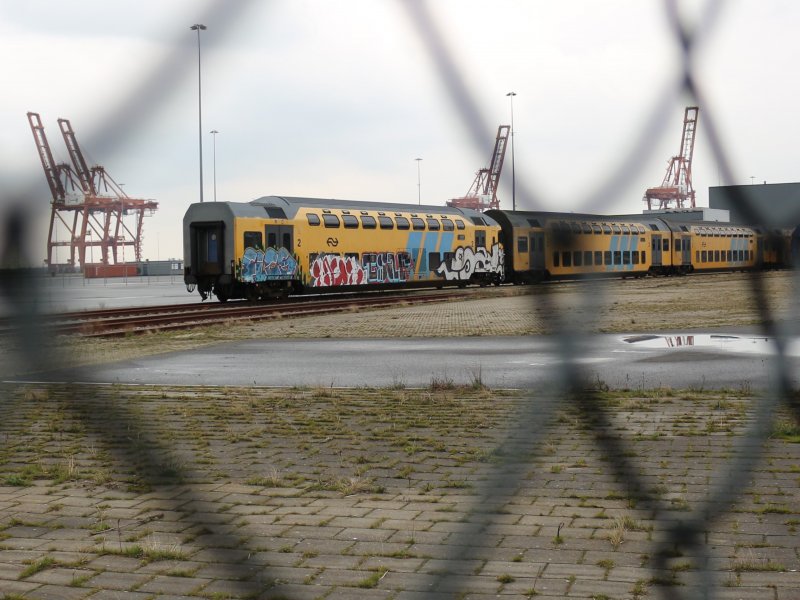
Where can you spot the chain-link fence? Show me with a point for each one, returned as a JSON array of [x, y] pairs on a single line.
[[119, 426]]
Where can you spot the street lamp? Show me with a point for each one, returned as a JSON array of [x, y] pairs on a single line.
[[214, 133], [419, 183], [513, 170], [198, 28]]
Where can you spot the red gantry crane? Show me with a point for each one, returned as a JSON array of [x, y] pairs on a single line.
[[677, 185], [88, 203], [482, 194]]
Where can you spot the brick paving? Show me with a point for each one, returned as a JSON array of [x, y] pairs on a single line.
[[115, 492]]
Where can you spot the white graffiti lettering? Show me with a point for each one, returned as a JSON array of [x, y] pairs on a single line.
[[466, 261]]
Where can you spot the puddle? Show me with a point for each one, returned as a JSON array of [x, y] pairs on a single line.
[[730, 343]]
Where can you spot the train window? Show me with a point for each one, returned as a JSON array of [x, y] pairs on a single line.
[[730, 255], [313, 219], [716, 256], [615, 229], [586, 228], [653, 226], [434, 260], [626, 258], [330, 220], [577, 258], [402, 223], [566, 258], [626, 230], [534, 223], [587, 258], [596, 228], [447, 225], [272, 239], [556, 261], [635, 257], [617, 257], [461, 237], [677, 245], [665, 244], [606, 228], [287, 241], [433, 224], [386, 222], [697, 256], [368, 222], [607, 257], [478, 220], [353, 255], [522, 244], [703, 256], [417, 223], [644, 256], [350, 222], [459, 224], [598, 257], [576, 228], [253, 239]]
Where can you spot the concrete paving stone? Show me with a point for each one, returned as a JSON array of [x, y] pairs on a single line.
[[324, 546], [342, 577], [360, 522], [59, 575], [110, 562], [288, 574], [756, 579], [568, 570], [24, 531], [436, 566], [276, 559], [740, 593], [409, 536], [302, 532], [13, 543], [120, 595], [309, 520], [117, 580], [388, 504], [594, 588], [621, 559], [58, 592], [166, 584], [289, 509], [235, 589], [398, 565], [378, 548], [521, 569], [332, 561], [365, 535], [283, 591], [348, 593]]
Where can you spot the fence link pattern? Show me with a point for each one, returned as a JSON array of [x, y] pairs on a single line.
[[571, 388]]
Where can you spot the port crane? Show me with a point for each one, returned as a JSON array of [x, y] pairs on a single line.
[[482, 194], [88, 203], [677, 184]]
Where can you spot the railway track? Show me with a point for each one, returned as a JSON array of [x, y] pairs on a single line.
[[136, 320]]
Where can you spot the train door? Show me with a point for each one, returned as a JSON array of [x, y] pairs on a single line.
[[480, 239], [208, 248], [280, 236], [656, 250], [686, 251], [537, 251]]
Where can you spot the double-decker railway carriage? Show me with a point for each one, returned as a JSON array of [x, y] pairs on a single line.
[[276, 245]]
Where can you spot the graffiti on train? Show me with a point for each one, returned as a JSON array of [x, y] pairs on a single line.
[[466, 262], [371, 268], [265, 265]]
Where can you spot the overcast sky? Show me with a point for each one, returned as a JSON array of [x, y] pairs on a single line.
[[336, 99]]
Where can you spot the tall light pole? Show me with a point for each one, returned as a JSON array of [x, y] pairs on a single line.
[[513, 169], [198, 28], [419, 183], [214, 133]]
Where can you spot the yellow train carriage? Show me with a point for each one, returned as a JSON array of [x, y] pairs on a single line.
[[560, 245], [279, 245], [722, 247]]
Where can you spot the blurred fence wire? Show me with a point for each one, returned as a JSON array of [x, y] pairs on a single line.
[[570, 385]]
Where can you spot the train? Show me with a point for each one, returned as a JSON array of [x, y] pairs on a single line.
[[275, 246]]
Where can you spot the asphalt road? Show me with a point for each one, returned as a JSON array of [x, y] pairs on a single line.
[[618, 361]]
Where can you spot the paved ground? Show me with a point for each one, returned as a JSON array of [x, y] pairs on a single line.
[[148, 492]]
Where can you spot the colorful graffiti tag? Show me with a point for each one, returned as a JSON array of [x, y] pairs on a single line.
[[466, 261], [374, 267], [266, 265]]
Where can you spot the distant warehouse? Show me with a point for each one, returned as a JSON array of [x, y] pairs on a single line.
[[776, 204]]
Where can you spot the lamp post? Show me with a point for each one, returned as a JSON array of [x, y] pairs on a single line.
[[198, 28], [214, 133], [513, 170], [419, 183]]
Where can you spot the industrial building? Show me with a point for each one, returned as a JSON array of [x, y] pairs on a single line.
[[774, 204]]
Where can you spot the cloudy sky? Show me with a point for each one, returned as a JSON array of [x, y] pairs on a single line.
[[336, 99]]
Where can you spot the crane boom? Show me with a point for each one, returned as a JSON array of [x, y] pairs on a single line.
[[482, 194], [677, 183], [75, 154], [51, 169]]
